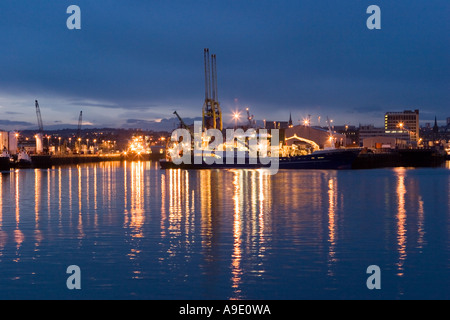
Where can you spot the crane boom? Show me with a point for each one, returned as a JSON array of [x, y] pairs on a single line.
[[39, 118], [183, 124], [80, 123]]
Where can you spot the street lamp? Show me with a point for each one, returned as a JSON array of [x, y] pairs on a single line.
[[236, 116]]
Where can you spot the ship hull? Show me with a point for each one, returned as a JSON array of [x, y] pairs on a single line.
[[5, 164], [331, 160], [141, 157], [324, 160], [24, 164]]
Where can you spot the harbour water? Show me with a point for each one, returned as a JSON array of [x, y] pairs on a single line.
[[138, 232]]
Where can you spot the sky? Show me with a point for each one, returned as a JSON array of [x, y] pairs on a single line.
[[137, 61]]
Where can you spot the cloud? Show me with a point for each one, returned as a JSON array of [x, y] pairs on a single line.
[[13, 113], [15, 124]]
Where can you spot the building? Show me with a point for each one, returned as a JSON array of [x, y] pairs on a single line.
[[317, 138], [401, 122], [8, 140], [448, 122], [369, 132], [435, 130], [383, 142], [351, 132]]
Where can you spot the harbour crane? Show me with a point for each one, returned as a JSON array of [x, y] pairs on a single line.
[[212, 113], [40, 136], [184, 125], [80, 123], [39, 118], [78, 142]]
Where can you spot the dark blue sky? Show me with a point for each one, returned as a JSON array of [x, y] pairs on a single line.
[[144, 59]]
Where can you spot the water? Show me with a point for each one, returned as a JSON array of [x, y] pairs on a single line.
[[138, 232]]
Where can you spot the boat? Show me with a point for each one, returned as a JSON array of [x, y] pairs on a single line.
[[24, 160], [139, 150], [5, 160], [332, 159]]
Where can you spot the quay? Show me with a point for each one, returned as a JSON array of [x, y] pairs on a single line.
[[47, 161]]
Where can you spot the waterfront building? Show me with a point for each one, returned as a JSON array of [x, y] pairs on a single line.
[[8, 140], [403, 122]]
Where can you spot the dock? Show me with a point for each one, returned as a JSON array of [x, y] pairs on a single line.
[[47, 161]]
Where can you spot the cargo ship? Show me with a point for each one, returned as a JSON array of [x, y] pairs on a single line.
[[139, 149], [332, 159]]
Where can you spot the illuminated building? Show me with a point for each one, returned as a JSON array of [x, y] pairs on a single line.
[[401, 122]]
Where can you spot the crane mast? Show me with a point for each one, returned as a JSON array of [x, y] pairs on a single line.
[[39, 118], [183, 124], [80, 123], [212, 113]]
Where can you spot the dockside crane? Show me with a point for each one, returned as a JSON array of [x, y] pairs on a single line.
[[80, 123], [212, 113], [40, 136], [184, 125], [39, 118]]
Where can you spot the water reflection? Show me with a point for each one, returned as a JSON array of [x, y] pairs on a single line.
[[3, 234], [239, 225], [19, 237], [401, 219], [236, 270], [137, 199], [37, 205], [332, 227]]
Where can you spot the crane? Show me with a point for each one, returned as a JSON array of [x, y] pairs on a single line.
[[183, 124], [78, 137], [80, 123], [40, 148], [212, 113], [39, 118]]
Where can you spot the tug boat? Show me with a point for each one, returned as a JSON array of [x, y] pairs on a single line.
[[24, 160]]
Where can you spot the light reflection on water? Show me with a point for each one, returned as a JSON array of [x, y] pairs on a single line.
[[233, 234]]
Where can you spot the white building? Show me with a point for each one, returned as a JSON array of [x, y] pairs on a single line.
[[9, 141]]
